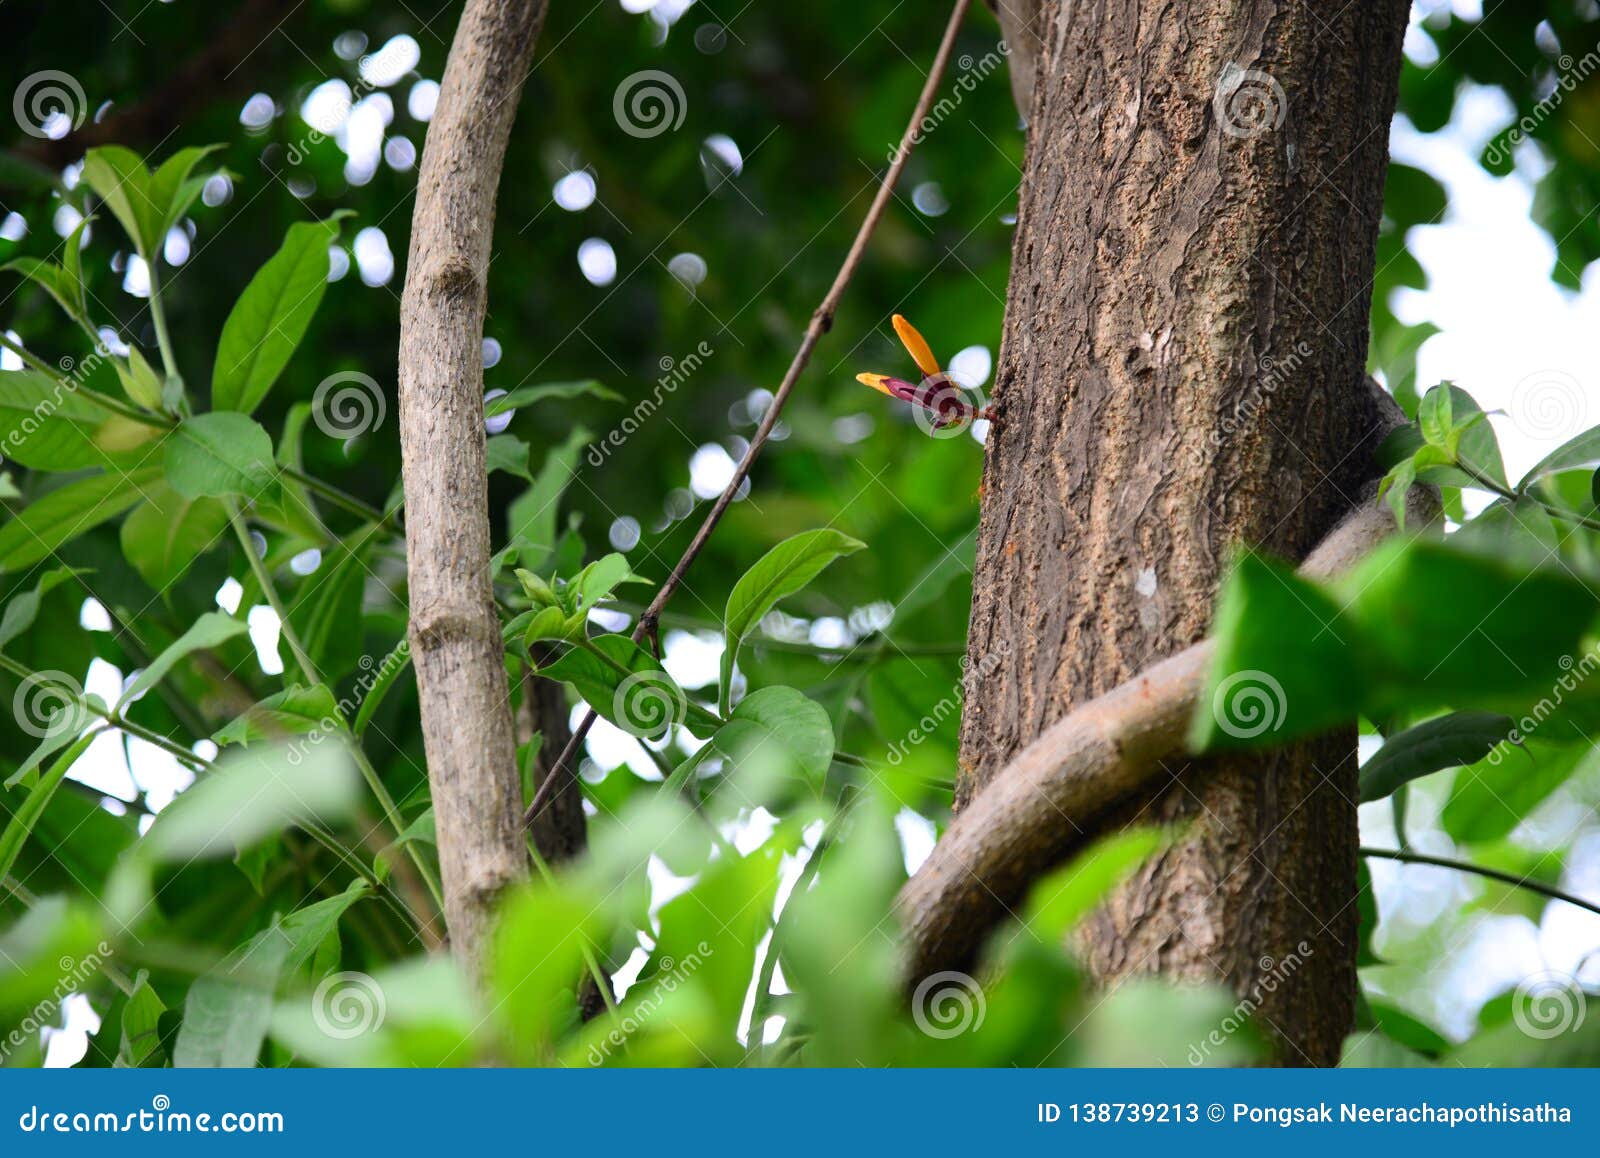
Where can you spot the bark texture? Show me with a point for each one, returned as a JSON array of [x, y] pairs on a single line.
[[1012, 832], [560, 831], [454, 631], [1181, 371]]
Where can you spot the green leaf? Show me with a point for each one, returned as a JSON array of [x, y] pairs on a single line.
[[509, 453], [227, 1011], [210, 630], [22, 609], [140, 1034], [1477, 445], [1580, 453], [531, 518], [1434, 417], [596, 581], [326, 613], [537, 589], [775, 737], [1452, 741], [72, 264], [1395, 487], [294, 711], [420, 1012], [253, 792], [123, 183], [53, 279], [50, 425], [395, 663], [271, 317], [779, 573], [709, 937], [642, 699], [553, 623], [25, 815], [67, 512], [167, 532], [171, 190], [139, 379], [423, 829], [219, 454], [536, 961], [307, 928], [1416, 625], [295, 507], [525, 396], [1489, 799], [1065, 897]]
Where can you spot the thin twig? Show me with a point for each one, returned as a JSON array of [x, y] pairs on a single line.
[[821, 322], [1480, 870]]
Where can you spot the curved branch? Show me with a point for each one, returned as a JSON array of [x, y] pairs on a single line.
[[1027, 818], [821, 322], [454, 631]]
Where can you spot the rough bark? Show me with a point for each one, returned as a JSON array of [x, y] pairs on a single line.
[[1182, 370], [560, 832], [1029, 816], [454, 631]]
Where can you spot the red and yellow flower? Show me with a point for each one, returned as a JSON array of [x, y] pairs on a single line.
[[937, 394]]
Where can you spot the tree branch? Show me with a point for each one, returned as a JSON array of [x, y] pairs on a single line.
[[821, 322], [454, 630], [1026, 819], [1533, 886]]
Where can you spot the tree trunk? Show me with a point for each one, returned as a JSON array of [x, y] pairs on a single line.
[[1182, 371], [454, 631], [560, 832]]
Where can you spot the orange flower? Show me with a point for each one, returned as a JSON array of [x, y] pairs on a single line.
[[937, 393]]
